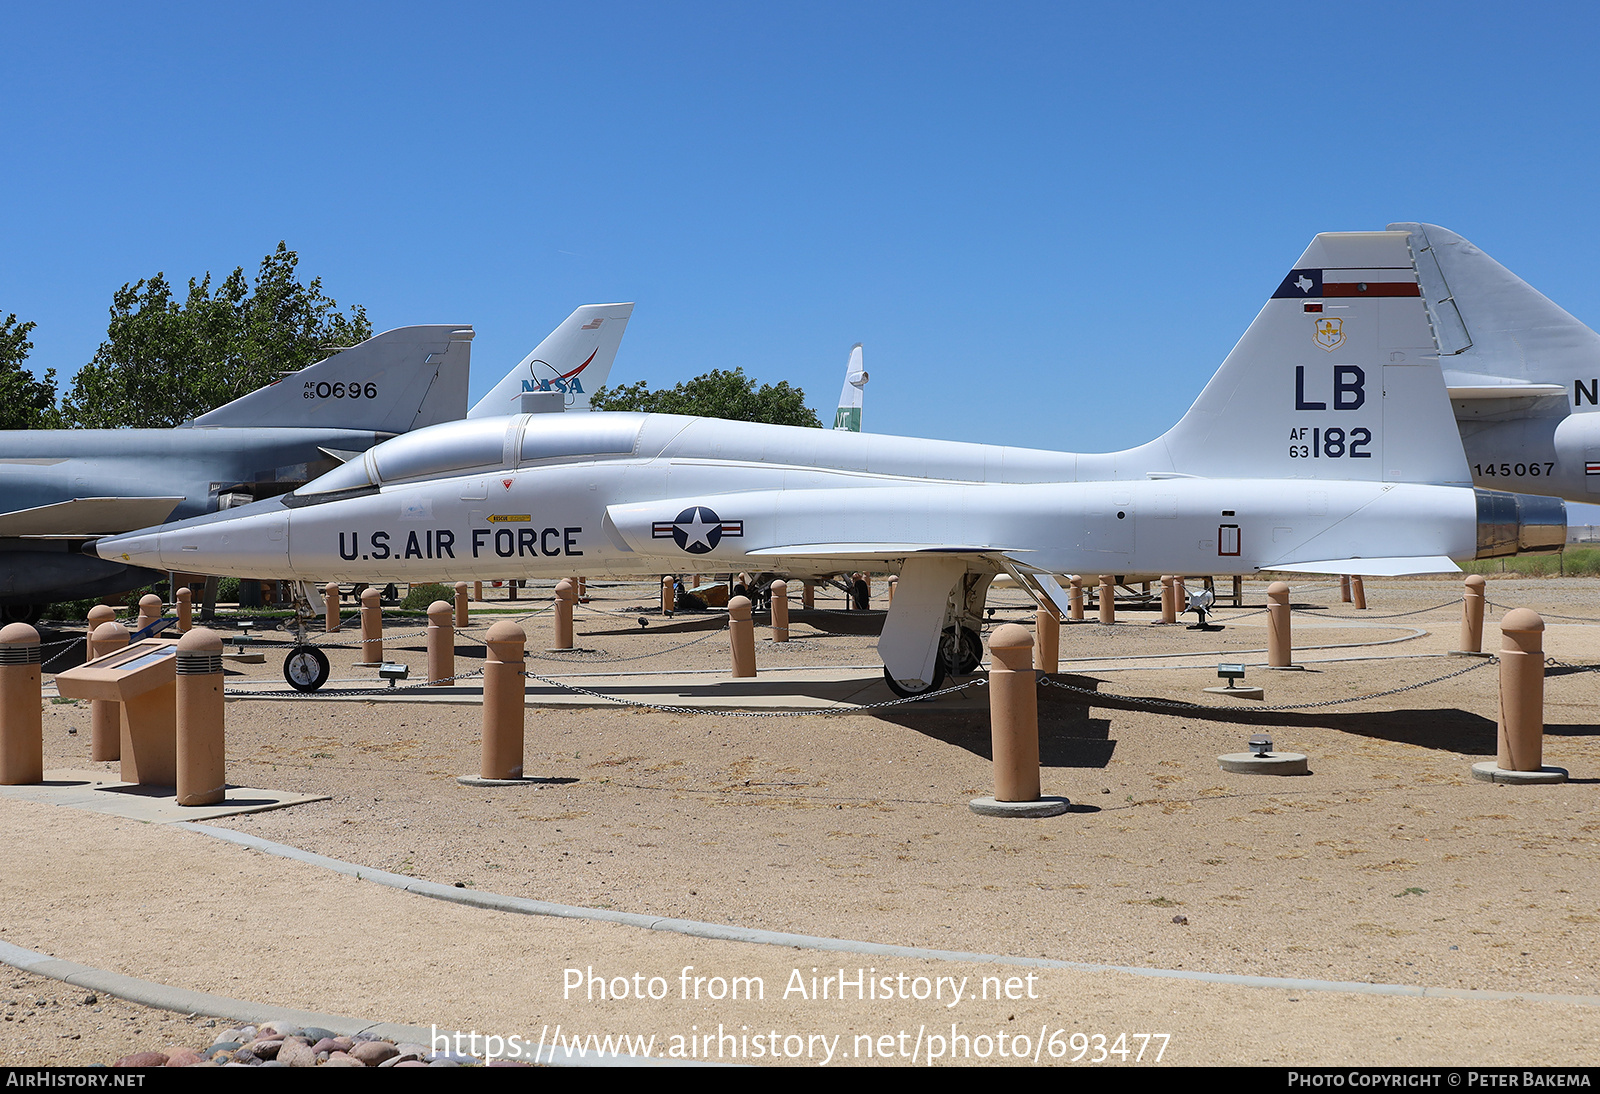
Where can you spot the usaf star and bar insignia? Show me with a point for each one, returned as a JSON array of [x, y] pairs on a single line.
[[697, 530]]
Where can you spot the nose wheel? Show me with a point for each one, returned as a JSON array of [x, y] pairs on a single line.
[[306, 668], [909, 688]]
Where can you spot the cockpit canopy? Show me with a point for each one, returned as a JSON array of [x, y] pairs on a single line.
[[475, 444]]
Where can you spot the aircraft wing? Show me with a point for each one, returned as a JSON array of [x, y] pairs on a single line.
[[88, 517], [1372, 567], [868, 550]]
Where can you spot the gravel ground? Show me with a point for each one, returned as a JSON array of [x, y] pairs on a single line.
[[1388, 864]]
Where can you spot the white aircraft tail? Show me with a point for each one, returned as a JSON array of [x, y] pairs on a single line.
[[575, 360], [1338, 377], [848, 416], [1495, 330], [399, 380]]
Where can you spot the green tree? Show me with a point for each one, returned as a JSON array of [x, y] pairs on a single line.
[[717, 394], [164, 361], [25, 402]]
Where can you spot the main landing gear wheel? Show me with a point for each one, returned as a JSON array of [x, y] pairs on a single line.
[[960, 651], [909, 692], [306, 668]]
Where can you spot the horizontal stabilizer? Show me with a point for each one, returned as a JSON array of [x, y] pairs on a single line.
[[1374, 567], [393, 382], [88, 516], [1472, 385]]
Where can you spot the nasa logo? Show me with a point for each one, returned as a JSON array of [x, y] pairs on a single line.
[[546, 378], [697, 530], [1330, 333]]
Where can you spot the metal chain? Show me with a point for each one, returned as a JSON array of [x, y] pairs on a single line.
[[1397, 614], [1177, 704], [1545, 615], [977, 682], [1549, 661], [343, 693]]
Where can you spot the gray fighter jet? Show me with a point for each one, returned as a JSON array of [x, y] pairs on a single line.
[[62, 488]]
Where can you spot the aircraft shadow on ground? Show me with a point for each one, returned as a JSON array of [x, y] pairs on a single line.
[[1446, 728], [1068, 736]]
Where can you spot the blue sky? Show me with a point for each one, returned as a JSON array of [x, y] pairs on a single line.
[[1047, 223]]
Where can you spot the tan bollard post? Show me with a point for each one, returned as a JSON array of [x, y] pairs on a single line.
[[667, 599], [1521, 730], [780, 610], [185, 610], [1359, 592], [371, 627], [1048, 624], [1472, 601], [566, 596], [149, 611], [511, 587], [1169, 600], [100, 613], [330, 608], [894, 579], [1075, 596], [1279, 647], [742, 636], [1014, 714], [1344, 588], [1180, 594], [477, 591], [1108, 600], [808, 595], [105, 715], [202, 744], [441, 642], [504, 691], [463, 610], [21, 707]]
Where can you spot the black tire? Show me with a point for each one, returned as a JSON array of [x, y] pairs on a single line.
[[22, 613], [907, 693], [306, 668], [960, 651]]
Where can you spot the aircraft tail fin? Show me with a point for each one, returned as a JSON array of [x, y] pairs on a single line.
[[1490, 322], [1338, 377], [848, 416], [574, 359], [399, 380]]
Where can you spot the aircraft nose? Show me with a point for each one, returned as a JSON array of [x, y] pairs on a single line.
[[249, 545], [133, 548]]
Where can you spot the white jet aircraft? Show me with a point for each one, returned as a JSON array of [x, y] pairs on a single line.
[[848, 416], [1323, 444], [1523, 374]]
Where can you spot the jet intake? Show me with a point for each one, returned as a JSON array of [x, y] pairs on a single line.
[[1510, 524]]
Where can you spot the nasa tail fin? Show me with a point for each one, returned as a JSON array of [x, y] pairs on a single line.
[[848, 416], [575, 359], [1498, 335], [1338, 377], [399, 380]]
